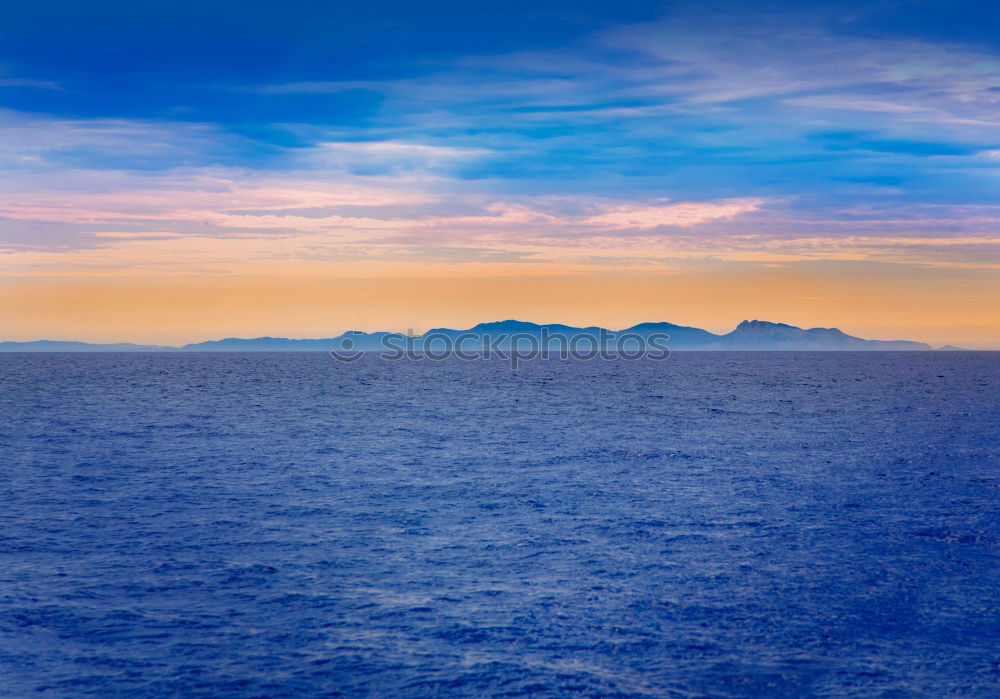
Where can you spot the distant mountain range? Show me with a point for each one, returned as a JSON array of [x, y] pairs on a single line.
[[750, 335]]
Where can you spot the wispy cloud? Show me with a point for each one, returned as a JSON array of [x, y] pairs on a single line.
[[26, 82], [683, 215]]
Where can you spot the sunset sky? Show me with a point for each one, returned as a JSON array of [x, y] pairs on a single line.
[[182, 171]]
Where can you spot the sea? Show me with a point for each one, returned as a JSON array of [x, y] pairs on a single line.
[[712, 525]]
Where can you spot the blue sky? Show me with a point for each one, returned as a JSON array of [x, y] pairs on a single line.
[[848, 99], [571, 134]]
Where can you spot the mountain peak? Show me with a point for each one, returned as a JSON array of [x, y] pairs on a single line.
[[509, 325], [762, 324]]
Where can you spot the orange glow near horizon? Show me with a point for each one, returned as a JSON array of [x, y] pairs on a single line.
[[935, 305]]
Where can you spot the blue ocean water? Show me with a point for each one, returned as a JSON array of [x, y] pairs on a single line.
[[724, 525]]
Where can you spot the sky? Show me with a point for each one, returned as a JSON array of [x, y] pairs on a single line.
[[181, 171]]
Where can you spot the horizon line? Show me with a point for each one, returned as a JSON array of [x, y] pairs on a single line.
[[485, 326]]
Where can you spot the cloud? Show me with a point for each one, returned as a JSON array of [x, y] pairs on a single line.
[[39, 142], [388, 156], [24, 82], [683, 215], [702, 59], [231, 222]]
